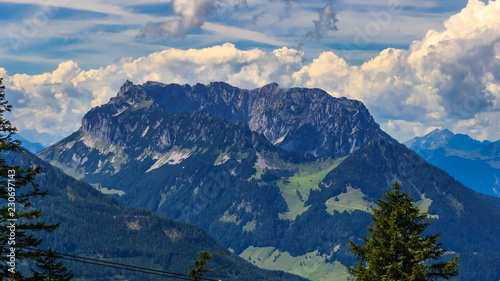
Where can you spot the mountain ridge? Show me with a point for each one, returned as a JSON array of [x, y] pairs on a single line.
[[33, 147], [284, 116]]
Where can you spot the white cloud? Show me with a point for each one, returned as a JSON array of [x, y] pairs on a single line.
[[190, 15], [449, 79], [446, 77], [107, 33], [59, 99], [483, 126], [407, 130]]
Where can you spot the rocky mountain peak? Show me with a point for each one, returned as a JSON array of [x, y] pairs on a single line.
[[445, 139], [125, 87], [270, 87], [309, 121], [441, 134]]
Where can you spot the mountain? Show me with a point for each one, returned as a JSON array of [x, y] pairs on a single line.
[[97, 226], [475, 164], [30, 146], [278, 207], [44, 139], [296, 119]]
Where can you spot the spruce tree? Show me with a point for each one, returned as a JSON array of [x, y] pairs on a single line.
[[398, 247], [49, 268], [19, 221]]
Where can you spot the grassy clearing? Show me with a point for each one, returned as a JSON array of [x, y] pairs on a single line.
[[423, 204], [257, 174], [231, 218], [311, 265], [296, 190], [295, 206], [105, 190], [352, 200], [304, 181], [250, 226]]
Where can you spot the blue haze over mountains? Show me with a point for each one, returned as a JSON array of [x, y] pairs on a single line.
[[270, 172], [474, 163], [32, 147]]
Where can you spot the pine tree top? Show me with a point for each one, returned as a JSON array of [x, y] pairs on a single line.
[[397, 247]]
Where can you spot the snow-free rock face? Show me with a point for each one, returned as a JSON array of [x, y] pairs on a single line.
[[308, 121], [297, 119]]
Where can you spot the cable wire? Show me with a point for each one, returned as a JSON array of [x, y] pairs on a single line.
[[124, 266]]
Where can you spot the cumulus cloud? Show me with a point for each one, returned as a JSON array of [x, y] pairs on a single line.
[[447, 76], [190, 15], [47, 102], [408, 129], [55, 102], [449, 79]]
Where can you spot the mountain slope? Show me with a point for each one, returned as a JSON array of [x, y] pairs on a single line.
[[475, 164], [95, 225], [275, 208], [177, 164], [468, 224], [456, 207]]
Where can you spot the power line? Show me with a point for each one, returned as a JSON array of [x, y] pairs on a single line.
[[130, 266], [124, 266]]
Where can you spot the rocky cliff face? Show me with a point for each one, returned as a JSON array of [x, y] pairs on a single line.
[[296, 119]]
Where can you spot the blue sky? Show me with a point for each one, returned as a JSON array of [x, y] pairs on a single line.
[[96, 33], [415, 64]]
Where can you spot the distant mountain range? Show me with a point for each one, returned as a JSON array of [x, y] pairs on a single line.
[[45, 139], [30, 146], [474, 163], [282, 177]]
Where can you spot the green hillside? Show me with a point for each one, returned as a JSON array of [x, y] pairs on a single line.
[[95, 225]]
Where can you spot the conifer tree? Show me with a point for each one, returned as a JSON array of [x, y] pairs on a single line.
[[19, 221], [397, 247], [197, 273], [49, 268]]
